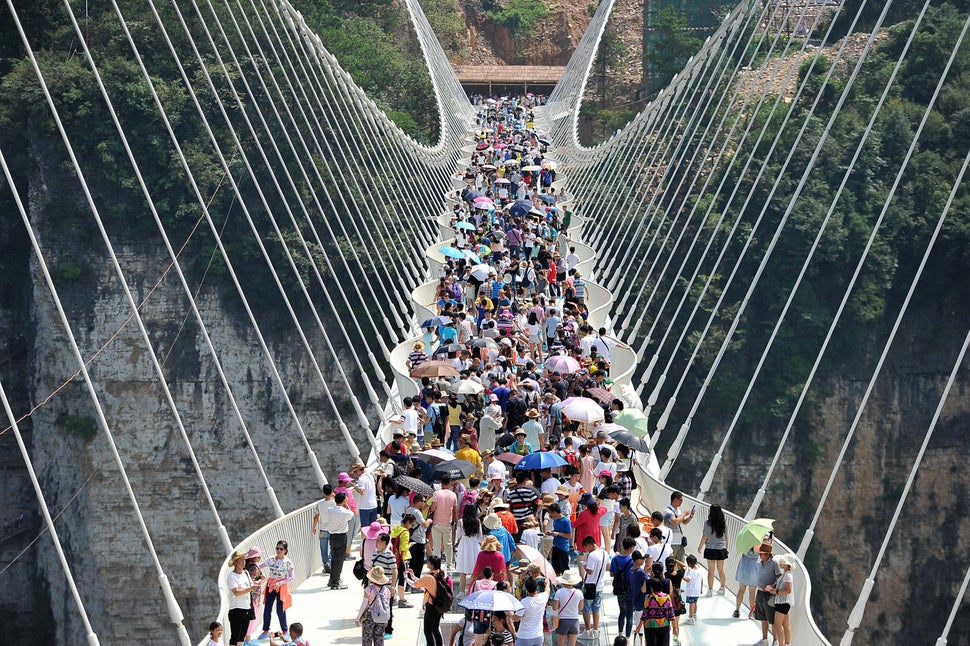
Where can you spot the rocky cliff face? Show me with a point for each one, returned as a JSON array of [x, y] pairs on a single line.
[[99, 531]]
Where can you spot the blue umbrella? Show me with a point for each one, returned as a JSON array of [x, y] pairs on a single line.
[[451, 252], [436, 321], [472, 195], [548, 198], [465, 225], [492, 601], [541, 460], [471, 255], [520, 208]]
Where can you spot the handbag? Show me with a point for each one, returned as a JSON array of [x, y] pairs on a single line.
[[359, 570], [589, 589]]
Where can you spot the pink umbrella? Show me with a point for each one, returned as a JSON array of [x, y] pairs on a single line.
[[533, 555], [562, 363], [500, 146]]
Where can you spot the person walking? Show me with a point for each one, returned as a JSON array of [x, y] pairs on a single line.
[[318, 520], [593, 570], [768, 573], [534, 604], [658, 611], [566, 606], [375, 608], [444, 517]]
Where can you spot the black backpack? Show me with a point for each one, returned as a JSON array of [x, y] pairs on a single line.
[[444, 597], [621, 587]]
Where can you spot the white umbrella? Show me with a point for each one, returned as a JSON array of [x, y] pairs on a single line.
[[468, 387], [534, 557], [491, 600], [581, 409], [481, 272]]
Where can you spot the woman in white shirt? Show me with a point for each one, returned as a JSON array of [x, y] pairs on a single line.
[[240, 586], [783, 599], [566, 606]]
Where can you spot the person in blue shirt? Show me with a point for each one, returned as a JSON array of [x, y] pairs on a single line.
[[562, 535], [619, 569], [637, 579]]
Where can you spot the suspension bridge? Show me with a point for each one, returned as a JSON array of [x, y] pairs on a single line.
[[298, 179]]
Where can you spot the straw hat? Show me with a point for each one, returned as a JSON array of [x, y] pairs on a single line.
[[548, 498], [236, 555], [787, 559], [376, 575], [491, 522], [569, 578], [357, 466], [533, 413], [562, 490], [418, 345]]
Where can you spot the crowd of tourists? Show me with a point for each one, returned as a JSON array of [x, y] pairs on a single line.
[[507, 472]]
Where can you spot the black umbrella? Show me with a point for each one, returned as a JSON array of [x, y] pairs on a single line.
[[627, 438], [445, 349], [415, 485], [455, 469]]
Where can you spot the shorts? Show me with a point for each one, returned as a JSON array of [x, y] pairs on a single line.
[[762, 611], [636, 616], [535, 641], [782, 608], [480, 627], [691, 599], [568, 627], [593, 605], [715, 554]]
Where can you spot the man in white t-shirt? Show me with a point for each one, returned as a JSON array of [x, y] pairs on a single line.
[[495, 468], [593, 570], [320, 525], [534, 609]]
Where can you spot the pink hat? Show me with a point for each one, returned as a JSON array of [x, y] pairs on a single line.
[[254, 553], [498, 476], [493, 398], [374, 530], [605, 472], [343, 476]]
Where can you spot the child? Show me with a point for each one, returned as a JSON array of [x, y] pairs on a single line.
[[215, 634], [693, 589], [530, 532], [484, 583], [675, 573], [293, 638]]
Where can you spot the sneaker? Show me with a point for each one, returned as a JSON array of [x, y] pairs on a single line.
[[264, 635], [339, 586], [709, 593], [387, 636], [687, 622], [326, 568], [404, 603], [736, 614], [720, 591], [350, 557]]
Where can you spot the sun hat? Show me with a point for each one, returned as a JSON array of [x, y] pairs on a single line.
[[548, 498], [254, 553], [765, 548], [398, 433], [493, 397], [498, 503], [491, 521], [235, 556], [569, 578], [357, 465], [562, 490], [343, 476], [435, 443], [418, 345], [519, 432], [497, 476], [605, 473], [374, 530], [587, 499], [532, 412], [376, 575], [787, 559], [487, 453]]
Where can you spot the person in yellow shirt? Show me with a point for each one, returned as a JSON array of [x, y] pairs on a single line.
[[402, 550], [467, 453]]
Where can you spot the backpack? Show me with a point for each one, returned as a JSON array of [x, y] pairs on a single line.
[[380, 609], [439, 423], [444, 597], [396, 548], [621, 587], [572, 457]]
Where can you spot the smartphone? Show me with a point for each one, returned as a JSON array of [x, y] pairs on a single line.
[[693, 509]]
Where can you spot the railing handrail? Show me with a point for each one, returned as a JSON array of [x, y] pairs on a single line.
[[304, 550], [655, 494]]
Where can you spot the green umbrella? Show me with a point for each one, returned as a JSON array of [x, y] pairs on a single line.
[[752, 534], [633, 420]]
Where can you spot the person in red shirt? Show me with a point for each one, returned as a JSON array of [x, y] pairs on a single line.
[[588, 520], [501, 509]]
